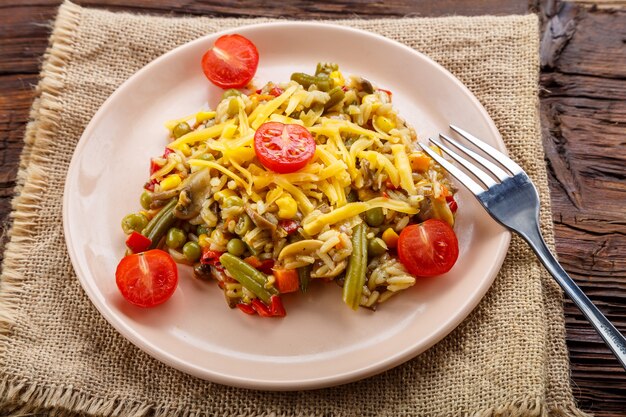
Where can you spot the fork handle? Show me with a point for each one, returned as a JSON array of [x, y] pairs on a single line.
[[612, 337]]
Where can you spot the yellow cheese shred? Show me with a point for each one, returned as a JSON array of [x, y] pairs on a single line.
[[402, 164], [198, 135], [353, 209], [226, 171]]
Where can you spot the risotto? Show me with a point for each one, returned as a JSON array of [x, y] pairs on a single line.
[[331, 209]]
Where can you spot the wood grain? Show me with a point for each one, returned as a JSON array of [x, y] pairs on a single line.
[[583, 112], [583, 116]]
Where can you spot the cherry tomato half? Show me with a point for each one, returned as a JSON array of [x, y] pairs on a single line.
[[147, 279], [429, 248], [283, 148], [232, 62]]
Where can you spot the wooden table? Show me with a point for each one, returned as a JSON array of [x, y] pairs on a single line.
[[583, 112]]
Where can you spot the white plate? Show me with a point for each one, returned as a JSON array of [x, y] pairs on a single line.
[[321, 342]]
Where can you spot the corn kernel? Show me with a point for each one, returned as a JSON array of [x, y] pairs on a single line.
[[287, 207], [385, 124], [222, 194], [203, 240], [337, 78], [185, 149], [390, 237], [372, 100], [170, 182]]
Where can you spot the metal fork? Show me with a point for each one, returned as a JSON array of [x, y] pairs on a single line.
[[512, 200]]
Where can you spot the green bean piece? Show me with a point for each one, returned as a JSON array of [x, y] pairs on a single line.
[[306, 80], [146, 200], [244, 225], [304, 275], [146, 230], [181, 129], [376, 247], [336, 95], [233, 201], [134, 222], [352, 196], [357, 266], [203, 229], [231, 92], [233, 107], [374, 217], [236, 247], [162, 226], [175, 238], [192, 251], [248, 276], [326, 68]]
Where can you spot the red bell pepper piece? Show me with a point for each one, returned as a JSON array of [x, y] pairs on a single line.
[[246, 308], [261, 308], [138, 242], [452, 203], [289, 226], [276, 306], [211, 257], [276, 91]]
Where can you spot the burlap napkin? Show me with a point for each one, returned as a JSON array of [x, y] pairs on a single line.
[[59, 356]]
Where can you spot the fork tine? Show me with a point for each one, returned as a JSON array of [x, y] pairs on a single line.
[[491, 151], [495, 170], [481, 175], [454, 171]]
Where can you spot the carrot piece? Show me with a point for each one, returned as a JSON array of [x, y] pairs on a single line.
[[286, 280], [420, 162]]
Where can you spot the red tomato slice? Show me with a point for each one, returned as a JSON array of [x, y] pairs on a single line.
[[429, 248], [147, 279], [232, 62], [283, 148]]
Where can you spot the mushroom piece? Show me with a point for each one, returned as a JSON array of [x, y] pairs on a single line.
[[194, 191], [259, 220]]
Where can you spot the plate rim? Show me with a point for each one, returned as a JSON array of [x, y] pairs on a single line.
[[259, 383]]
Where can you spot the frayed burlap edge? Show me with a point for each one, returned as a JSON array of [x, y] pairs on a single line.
[[19, 396], [27, 399]]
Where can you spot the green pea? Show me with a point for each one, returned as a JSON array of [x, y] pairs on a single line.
[[231, 92], [175, 238], [202, 230], [146, 200], [376, 247], [233, 107], [181, 129], [374, 217], [236, 247], [233, 201], [244, 225], [192, 251], [134, 222]]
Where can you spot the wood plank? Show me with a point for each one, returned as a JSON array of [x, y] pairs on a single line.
[[584, 119], [583, 88]]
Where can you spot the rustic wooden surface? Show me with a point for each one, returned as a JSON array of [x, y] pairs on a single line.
[[583, 111]]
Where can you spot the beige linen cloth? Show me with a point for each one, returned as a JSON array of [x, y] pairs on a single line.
[[59, 356]]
